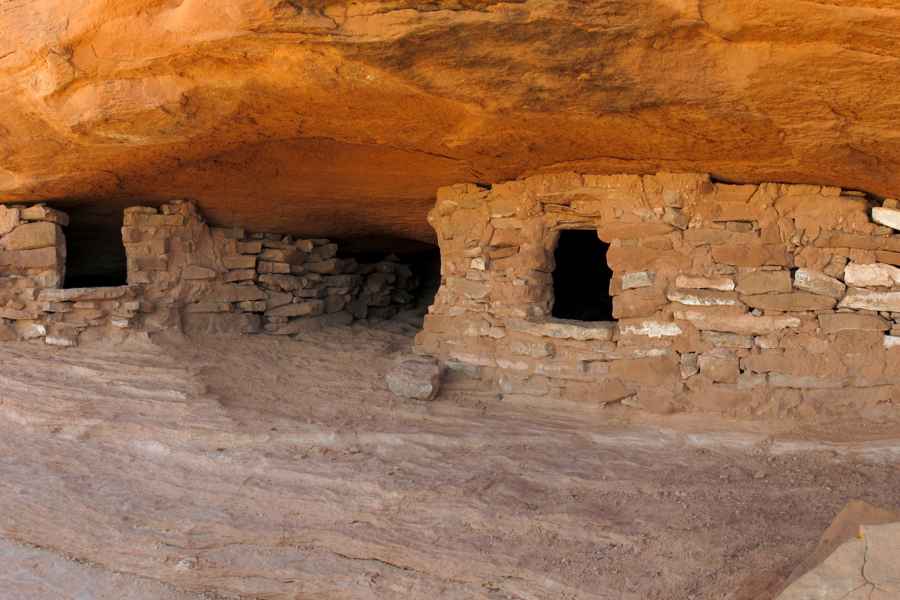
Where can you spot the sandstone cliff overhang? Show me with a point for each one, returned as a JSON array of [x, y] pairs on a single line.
[[340, 119]]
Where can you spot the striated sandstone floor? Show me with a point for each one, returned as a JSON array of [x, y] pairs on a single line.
[[269, 468]]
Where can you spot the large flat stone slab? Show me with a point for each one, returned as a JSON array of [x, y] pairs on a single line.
[[889, 217], [566, 329], [869, 300], [744, 324], [857, 558], [864, 568], [871, 275]]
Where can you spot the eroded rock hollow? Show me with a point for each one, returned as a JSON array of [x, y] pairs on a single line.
[[341, 119], [540, 224]]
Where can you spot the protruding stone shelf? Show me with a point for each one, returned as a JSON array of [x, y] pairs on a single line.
[[84, 294], [566, 329]]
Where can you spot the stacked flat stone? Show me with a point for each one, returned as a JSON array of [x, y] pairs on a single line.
[[743, 299], [304, 278], [185, 274], [32, 246], [32, 264], [72, 311], [166, 257], [230, 280], [386, 289]]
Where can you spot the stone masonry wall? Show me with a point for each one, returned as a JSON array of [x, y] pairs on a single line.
[[184, 274], [32, 271], [741, 299], [228, 280]]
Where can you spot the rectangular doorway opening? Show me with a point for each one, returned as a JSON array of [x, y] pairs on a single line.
[[581, 277], [95, 254]]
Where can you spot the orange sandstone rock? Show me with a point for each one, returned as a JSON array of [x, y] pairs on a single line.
[[342, 118]]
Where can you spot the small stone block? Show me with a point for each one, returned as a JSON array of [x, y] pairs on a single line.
[[252, 247], [415, 378], [637, 279], [239, 262], [265, 266], [40, 212], [194, 272], [254, 306], [240, 275]]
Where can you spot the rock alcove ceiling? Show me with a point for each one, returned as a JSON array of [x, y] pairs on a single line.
[[343, 118]]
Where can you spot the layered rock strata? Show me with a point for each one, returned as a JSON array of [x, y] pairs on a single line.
[[733, 298]]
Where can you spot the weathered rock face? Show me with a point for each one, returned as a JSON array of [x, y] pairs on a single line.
[[341, 119]]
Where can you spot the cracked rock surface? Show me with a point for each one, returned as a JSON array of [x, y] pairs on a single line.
[[342, 118], [865, 568], [270, 468]]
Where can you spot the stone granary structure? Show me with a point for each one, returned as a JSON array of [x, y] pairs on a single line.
[[184, 274], [735, 298], [664, 292]]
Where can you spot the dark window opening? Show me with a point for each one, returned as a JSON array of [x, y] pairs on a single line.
[[581, 277], [95, 254]]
